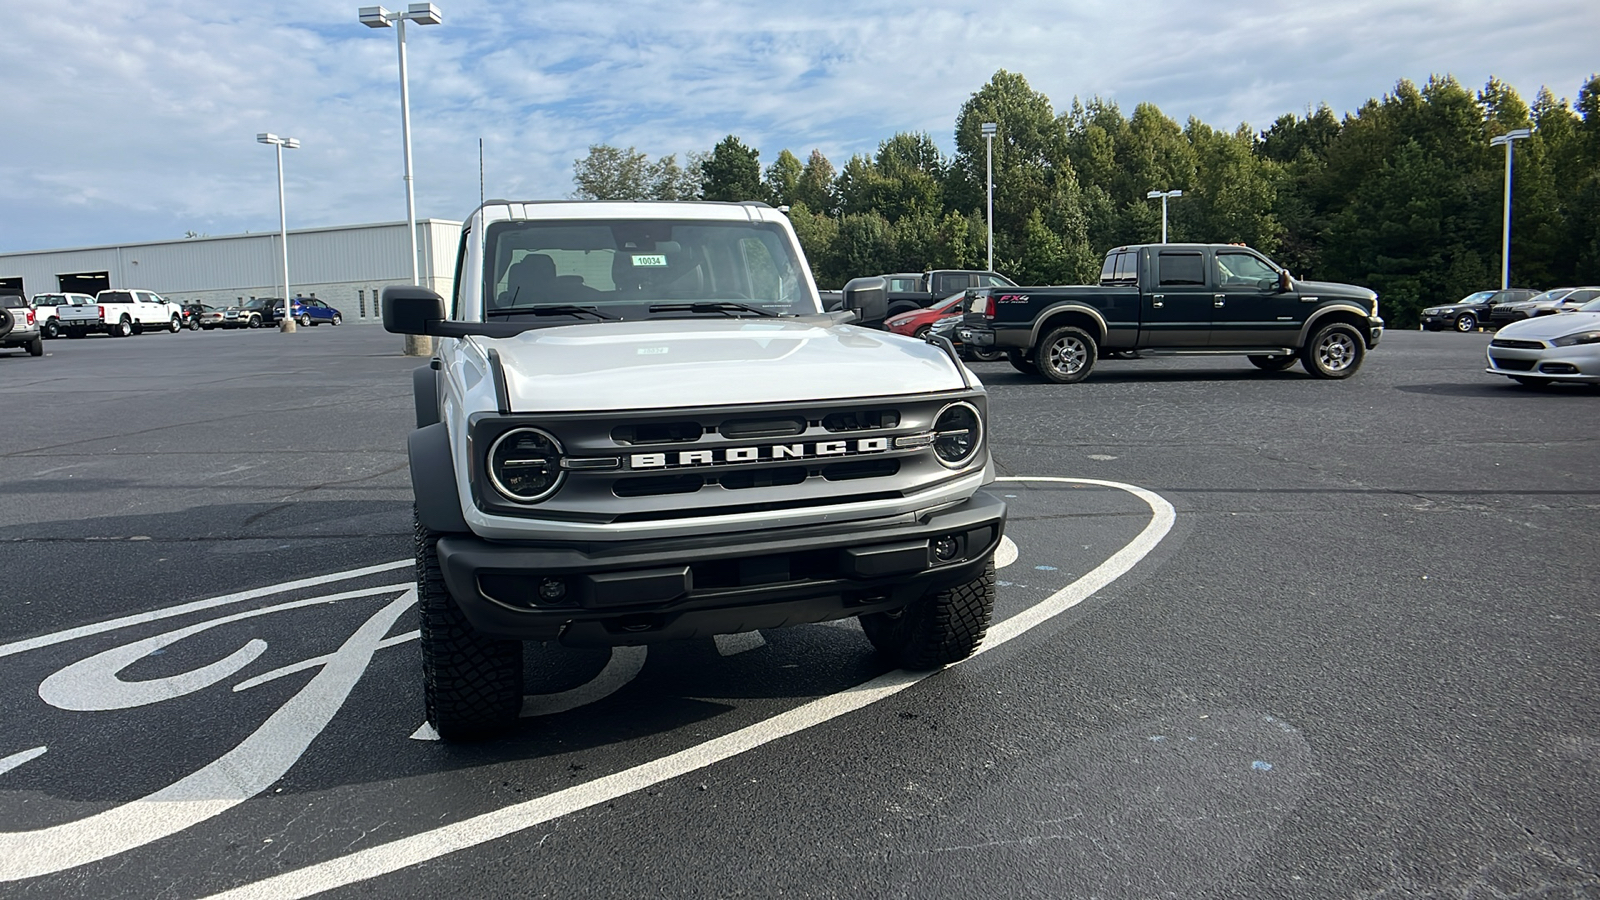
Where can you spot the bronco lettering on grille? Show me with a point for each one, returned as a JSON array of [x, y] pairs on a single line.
[[768, 453]]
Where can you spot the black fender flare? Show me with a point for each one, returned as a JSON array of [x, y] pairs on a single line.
[[433, 480], [425, 395]]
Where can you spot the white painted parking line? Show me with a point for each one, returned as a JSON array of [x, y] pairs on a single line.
[[437, 842], [72, 634], [17, 759]]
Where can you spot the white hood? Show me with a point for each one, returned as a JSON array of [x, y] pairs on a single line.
[[713, 362], [1544, 328]]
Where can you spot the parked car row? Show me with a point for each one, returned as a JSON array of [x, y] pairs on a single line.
[[124, 312], [1496, 308]]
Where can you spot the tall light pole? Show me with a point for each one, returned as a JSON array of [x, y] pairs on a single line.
[[286, 321], [1164, 195], [1505, 236], [989, 128], [378, 17]]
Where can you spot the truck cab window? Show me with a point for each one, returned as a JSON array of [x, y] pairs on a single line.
[[1181, 269], [1243, 269]]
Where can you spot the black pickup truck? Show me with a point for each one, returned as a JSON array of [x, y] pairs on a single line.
[[910, 291], [1171, 299]]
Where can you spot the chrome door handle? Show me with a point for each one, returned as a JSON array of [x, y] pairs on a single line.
[[1157, 301], [1218, 299]]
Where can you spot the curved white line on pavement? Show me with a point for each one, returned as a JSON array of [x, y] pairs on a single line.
[[92, 684], [437, 842], [17, 759], [72, 634], [315, 661], [1005, 554], [624, 664], [735, 644], [231, 779]]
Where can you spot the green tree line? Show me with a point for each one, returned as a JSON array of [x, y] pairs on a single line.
[[1403, 196]]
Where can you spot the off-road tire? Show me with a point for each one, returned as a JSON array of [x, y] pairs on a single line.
[[1066, 355], [36, 347], [1021, 362], [8, 321], [939, 629], [472, 683], [1335, 351], [1274, 362], [1466, 322]]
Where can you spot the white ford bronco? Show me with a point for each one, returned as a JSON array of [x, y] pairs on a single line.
[[639, 426]]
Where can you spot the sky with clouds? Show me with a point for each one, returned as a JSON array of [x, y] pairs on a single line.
[[132, 121]]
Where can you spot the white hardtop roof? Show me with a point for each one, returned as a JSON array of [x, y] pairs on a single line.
[[500, 210]]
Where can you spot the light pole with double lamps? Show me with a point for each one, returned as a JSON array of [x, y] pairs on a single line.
[[1505, 232], [378, 17], [285, 321], [989, 129], [1164, 195]]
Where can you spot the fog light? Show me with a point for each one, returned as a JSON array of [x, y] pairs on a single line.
[[552, 590], [946, 548]]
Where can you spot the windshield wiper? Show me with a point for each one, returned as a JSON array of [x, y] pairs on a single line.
[[726, 307], [555, 310]]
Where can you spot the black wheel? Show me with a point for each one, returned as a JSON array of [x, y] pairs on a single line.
[[989, 355], [176, 325], [122, 328], [52, 329], [472, 683], [255, 322], [305, 320], [1021, 362], [338, 320], [1335, 352], [1066, 355], [1525, 381], [1275, 362], [36, 347], [937, 630], [1466, 322], [194, 324]]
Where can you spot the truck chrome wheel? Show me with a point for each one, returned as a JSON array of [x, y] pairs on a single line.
[[1067, 355], [1336, 352]]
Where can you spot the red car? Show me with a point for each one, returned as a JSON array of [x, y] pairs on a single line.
[[917, 322]]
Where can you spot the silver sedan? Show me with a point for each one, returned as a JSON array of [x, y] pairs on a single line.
[[1546, 349]]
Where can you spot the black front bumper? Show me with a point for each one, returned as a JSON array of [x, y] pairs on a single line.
[[639, 592]]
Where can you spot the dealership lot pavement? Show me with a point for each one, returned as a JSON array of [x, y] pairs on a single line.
[[1261, 636]]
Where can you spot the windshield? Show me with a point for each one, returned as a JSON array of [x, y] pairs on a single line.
[[1551, 295], [1474, 298], [633, 269], [1592, 306]]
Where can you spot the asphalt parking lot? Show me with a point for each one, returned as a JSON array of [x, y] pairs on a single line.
[[1261, 636]]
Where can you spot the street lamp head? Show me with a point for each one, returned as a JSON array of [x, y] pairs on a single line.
[[1516, 134], [1155, 195], [374, 16], [291, 143], [989, 129], [267, 137], [423, 14]]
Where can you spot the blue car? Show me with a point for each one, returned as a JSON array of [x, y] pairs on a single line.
[[311, 311]]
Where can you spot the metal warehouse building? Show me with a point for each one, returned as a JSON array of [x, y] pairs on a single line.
[[346, 267]]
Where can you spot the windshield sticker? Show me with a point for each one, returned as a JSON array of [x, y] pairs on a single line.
[[653, 260]]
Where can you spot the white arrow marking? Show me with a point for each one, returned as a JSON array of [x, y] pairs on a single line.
[[437, 842]]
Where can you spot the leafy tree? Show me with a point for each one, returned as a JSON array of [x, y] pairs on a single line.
[[669, 181], [732, 172], [783, 178], [816, 185], [611, 173]]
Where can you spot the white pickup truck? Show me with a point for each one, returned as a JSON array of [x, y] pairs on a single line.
[[45, 308], [120, 313], [641, 426]]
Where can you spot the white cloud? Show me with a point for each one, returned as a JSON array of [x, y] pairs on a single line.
[[138, 122]]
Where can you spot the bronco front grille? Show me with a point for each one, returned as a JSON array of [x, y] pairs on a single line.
[[691, 463]]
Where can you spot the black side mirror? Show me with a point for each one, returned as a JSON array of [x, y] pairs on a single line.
[[869, 298], [1285, 283], [411, 310]]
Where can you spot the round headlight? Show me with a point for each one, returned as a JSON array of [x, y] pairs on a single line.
[[525, 465], [957, 434]]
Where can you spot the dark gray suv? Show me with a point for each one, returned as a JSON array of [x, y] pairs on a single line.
[[1472, 310]]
